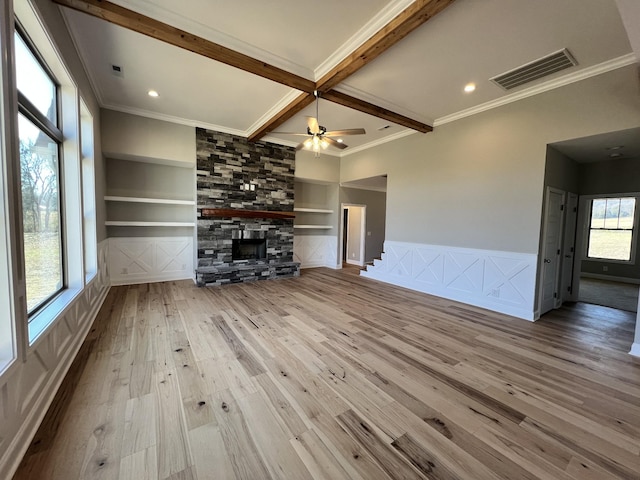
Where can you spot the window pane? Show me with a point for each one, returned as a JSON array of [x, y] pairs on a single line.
[[611, 216], [610, 244], [597, 213], [33, 82], [40, 213], [627, 210]]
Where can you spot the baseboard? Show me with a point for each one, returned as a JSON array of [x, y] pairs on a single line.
[[635, 349], [136, 280], [611, 278]]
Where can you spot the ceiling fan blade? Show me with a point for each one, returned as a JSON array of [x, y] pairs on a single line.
[[335, 143], [300, 146], [290, 133], [312, 123], [349, 131]]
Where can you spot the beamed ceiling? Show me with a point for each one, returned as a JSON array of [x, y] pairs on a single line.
[[250, 67]]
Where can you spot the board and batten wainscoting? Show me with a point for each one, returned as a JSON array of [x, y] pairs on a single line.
[[29, 386], [500, 281], [316, 251], [150, 259]]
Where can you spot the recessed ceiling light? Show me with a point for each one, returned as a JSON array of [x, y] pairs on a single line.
[[615, 155], [617, 147], [469, 87], [339, 140], [153, 93]]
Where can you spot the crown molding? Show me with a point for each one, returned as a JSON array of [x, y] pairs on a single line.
[[280, 105], [583, 74], [382, 18], [380, 141], [173, 119]]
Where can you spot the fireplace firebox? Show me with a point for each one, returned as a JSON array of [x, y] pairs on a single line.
[[249, 249]]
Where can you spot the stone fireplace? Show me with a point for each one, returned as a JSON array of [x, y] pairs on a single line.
[[248, 246], [245, 209]]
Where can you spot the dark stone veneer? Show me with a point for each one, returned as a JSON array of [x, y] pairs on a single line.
[[225, 163]]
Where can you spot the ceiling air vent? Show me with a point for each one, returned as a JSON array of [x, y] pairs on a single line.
[[534, 70]]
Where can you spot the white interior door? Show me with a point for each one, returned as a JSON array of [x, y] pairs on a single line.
[[551, 250], [568, 293]]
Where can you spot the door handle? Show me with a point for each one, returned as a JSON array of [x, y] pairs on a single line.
[[547, 260], [567, 256]]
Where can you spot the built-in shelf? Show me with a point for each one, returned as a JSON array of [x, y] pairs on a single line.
[[118, 223], [141, 159], [312, 210], [317, 227], [166, 201]]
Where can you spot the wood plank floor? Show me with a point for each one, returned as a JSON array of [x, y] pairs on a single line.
[[333, 376]]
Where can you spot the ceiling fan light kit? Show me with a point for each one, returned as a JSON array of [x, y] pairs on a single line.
[[319, 138]]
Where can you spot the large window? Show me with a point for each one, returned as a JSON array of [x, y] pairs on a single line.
[[611, 228], [40, 139]]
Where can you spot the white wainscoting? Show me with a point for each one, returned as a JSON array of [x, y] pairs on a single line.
[[315, 250], [150, 259], [28, 388], [500, 281]]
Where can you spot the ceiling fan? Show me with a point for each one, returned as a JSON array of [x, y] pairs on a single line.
[[319, 138]]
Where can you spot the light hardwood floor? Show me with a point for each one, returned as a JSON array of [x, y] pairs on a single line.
[[333, 376]]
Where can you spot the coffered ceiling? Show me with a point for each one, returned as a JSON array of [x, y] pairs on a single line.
[[420, 78]]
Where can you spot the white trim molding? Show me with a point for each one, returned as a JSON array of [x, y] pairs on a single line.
[[28, 389], [135, 260], [499, 281], [635, 350], [315, 250]]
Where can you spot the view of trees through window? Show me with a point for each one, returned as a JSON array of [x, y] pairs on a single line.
[[39, 139], [611, 228]]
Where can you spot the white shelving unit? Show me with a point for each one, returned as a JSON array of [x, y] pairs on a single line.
[[165, 201], [117, 223], [312, 210], [149, 192], [317, 227]]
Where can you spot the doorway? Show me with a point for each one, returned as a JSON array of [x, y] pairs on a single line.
[[353, 227], [552, 231]]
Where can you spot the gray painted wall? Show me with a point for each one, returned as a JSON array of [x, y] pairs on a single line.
[[478, 182], [310, 194], [561, 172], [376, 203], [134, 136]]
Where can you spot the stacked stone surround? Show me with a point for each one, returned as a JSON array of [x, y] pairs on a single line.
[[225, 164]]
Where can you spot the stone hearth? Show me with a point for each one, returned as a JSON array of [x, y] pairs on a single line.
[[240, 185]]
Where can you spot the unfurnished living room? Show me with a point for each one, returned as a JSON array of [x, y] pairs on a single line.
[[375, 239]]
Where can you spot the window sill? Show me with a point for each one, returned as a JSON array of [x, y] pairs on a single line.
[[607, 260], [50, 314]]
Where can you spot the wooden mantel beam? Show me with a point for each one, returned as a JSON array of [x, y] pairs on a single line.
[[137, 22]]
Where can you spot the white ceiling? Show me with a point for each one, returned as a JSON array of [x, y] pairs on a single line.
[[611, 146], [421, 77]]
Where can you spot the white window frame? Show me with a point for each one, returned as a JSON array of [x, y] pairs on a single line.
[[71, 176], [634, 234]]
